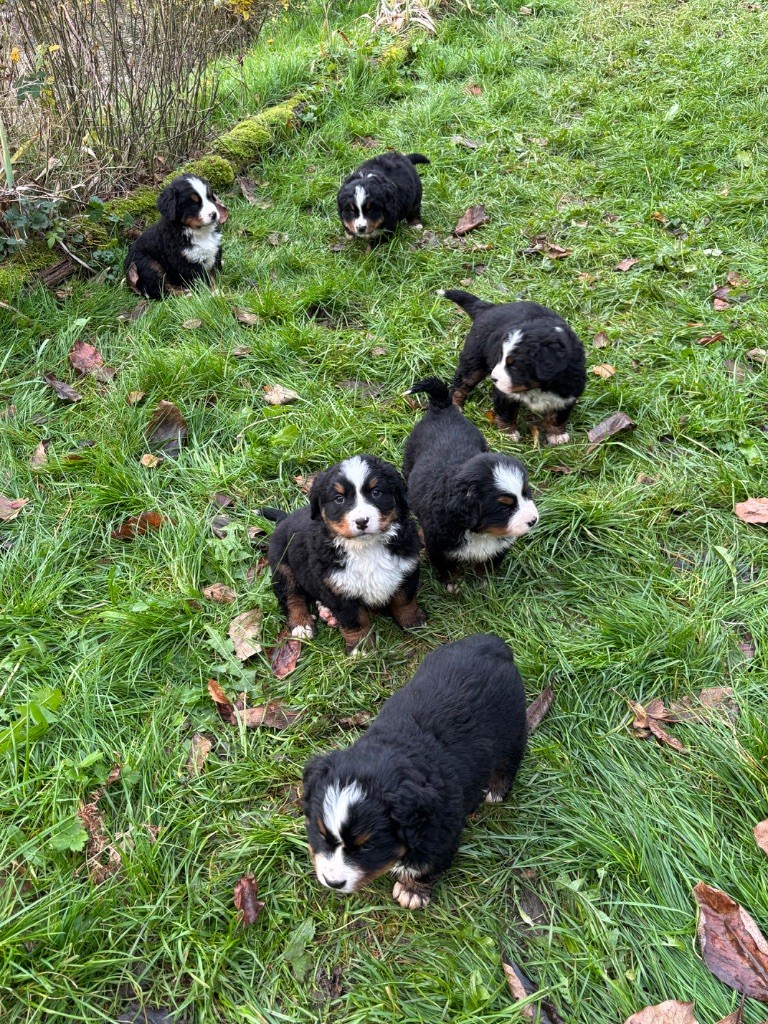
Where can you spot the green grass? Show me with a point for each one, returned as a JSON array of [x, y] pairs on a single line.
[[626, 590]]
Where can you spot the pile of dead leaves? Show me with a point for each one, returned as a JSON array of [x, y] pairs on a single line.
[[712, 702], [271, 715]]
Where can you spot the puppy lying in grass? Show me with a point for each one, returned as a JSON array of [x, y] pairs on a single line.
[[398, 798]]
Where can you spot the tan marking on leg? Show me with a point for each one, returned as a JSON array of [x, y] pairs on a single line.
[[406, 613], [461, 392], [556, 433], [300, 622], [509, 428], [353, 638]]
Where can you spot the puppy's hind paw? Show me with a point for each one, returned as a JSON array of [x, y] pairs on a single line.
[[451, 588], [493, 798], [413, 897], [326, 615], [303, 632], [563, 438]]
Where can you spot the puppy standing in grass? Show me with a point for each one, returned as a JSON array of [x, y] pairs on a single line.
[[531, 354], [398, 798], [379, 194], [184, 246], [354, 548], [471, 504]]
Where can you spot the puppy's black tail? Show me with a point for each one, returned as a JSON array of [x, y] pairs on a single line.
[[436, 389], [417, 158], [468, 302], [273, 515]]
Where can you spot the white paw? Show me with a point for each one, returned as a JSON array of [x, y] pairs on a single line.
[[302, 632], [513, 435], [408, 899], [558, 438], [493, 798], [417, 227], [451, 588]]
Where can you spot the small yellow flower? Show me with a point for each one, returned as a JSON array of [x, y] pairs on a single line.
[[54, 48], [15, 55]]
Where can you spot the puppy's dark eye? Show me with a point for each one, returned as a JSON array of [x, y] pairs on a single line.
[[376, 492], [339, 499]]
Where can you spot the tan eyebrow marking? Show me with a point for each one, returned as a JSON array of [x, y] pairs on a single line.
[[359, 840], [339, 488]]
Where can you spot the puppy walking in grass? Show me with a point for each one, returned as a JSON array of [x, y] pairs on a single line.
[[398, 798], [379, 194]]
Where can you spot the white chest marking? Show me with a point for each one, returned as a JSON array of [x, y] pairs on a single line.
[[542, 401], [204, 245], [479, 547], [371, 573]]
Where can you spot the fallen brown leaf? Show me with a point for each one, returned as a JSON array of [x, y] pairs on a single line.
[[699, 708], [473, 90], [604, 370], [565, 470], [10, 507], [277, 238], [220, 593], [379, 350], [732, 945], [737, 1017], [272, 716], [613, 424], [521, 987], [538, 709], [659, 217], [192, 324], [63, 390], [710, 339], [360, 719], [284, 658], [541, 244], [199, 750], [753, 510], [757, 355], [719, 304], [248, 906], [219, 526], [39, 456], [462, 140], [135, 397], [244, 316], [167, 429], [368, 142], [626, 264], [648, 721], [242, 629], [8, 411], [601, 340], [135, 313], [473, 217], [150, 461], [223, 500], [88, 361], [249, 188], [137, 526], [735, 280], [670, 1012], [241, 351], [278, 395], [224, 705], [761, 835]]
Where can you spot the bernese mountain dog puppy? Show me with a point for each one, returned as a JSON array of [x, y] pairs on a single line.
[[379, 194], [184, 246], [397, 799], [533, 357], [471, 504], [354, 548]]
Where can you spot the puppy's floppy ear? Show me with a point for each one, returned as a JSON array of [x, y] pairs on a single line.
[[315, 771], [464, 506], [550, 359], [167, 202], [400, 492], [412, 808], [316, 494]]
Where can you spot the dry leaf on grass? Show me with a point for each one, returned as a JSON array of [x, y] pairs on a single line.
[[541, 245], [63, 390], [626, 264], [10, 507], [613, 424], [88, 361], [224, 705], [192, 324], [220, 593], [671, 1012], [271, 716], [360, 719], [604, 370], [473, 90], [757, 355], [150, 461], [283, 659], [278, 395], [601, 340], [732, 945], [248, 906], [39, 456], [103, 858], [753, 510], [135, 313], [242, 630], [737, 1017], [462, 140], [760, 832], [223, 500], [244, 316], [305, 482], [199, 750], [167, 429], [710, 339], [735, 280], [277, 238], [565, 470], [538, 709], [701, 707], [521, 987], [135, 397], [473, 217], [137, 526]]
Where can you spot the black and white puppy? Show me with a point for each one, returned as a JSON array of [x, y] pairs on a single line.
[[397, 799], [379, 194], [531, 354], [184, 246], [471, 504], [354, 548]]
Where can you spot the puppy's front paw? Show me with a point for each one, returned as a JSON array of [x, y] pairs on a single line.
[[303, 632], [451, 588], [327, 615], [563, 438], [414, 896], [493, 798]]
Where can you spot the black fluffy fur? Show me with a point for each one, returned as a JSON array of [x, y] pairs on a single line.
[[546, 368], [156, 265], [304, 551], [449, 472], [455, 732], [393, 193]]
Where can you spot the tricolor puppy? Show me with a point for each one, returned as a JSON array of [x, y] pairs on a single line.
[[397, 799], [471, 504], [354, 548], [379, 194], [184, 246], [532, 356]]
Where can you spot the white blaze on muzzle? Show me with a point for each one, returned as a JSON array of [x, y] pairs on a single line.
[[510, 480], [208, 212], [356, 471], [500, 373]]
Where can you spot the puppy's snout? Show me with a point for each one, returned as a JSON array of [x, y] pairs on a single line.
[[361, 523], [214, 216], [360, 228], [333, 885], [532, 522]]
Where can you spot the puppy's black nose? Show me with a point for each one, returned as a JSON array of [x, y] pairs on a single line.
[[335, 885], [360, 231], [214, 216], [532, 522], [361, 523]]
